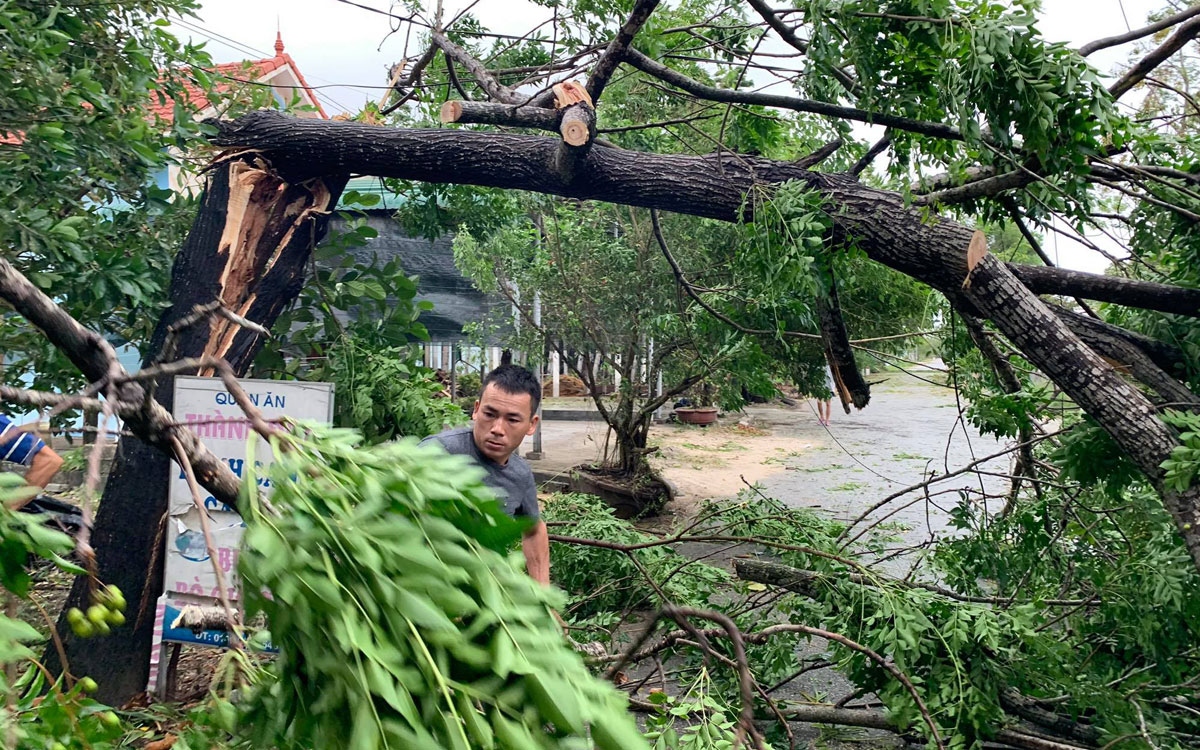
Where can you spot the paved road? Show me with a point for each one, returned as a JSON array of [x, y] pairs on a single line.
[[910, 429]]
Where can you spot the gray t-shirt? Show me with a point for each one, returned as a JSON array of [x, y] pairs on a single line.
[[512, 482]]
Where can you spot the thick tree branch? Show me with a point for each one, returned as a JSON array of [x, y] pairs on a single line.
[[1014, 211], [717, 185], [1028, 709], [981, 188], [97, 360], [1119, 347], [612, 56], [716, 94], [878, 148], [1182, 35], [835, 339], [1095, 332], [496, 90], [86, 349], [509, 115], [1144, 295], [808, 161], [871, 719], [1145, 31]]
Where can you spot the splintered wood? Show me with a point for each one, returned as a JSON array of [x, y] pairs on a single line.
[[975, 252], [264, 213], [570, 92]]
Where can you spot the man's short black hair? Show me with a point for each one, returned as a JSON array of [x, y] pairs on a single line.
[[516, 380]]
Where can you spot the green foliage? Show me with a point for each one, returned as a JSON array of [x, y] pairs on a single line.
[[1088, 455], [1135, 642], [23, 535], [605, 580], [401, 617], [351, 295], [939, 61], [578, 259], [352, 326], [82, 215], [1184, 464], [697, 720], [384, 394], [40, 712], [1027, 627]]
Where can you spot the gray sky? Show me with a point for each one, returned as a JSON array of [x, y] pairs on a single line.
[[345, 51], [349, 48]]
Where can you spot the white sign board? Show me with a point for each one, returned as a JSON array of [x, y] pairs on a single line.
[[210, 412]]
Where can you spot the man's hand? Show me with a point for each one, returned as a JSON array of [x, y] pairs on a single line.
[[536, 547]]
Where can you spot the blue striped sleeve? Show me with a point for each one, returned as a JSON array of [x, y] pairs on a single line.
[[17, 446]]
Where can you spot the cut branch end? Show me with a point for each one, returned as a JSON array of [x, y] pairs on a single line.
[[451, 112]]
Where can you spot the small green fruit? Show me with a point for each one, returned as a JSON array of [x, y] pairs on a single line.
[[57, 746], [97, 614], [83, 629], [110, 719], [88, 685], [102, 627], [116, 618], [75, 615]]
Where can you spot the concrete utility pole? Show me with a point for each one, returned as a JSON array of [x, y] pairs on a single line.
[[536, 453], [555, 366]]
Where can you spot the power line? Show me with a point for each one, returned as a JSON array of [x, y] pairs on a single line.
[[247, 49], [214, 36]]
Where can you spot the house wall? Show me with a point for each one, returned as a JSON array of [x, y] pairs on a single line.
[[455, 300]]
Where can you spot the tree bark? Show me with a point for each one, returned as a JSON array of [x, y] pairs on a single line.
[[847, 380], [1146, 295], [883, 226], [1025, 466], [254, 260]]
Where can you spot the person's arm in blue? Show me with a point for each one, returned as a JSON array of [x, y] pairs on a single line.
[[25, 448]]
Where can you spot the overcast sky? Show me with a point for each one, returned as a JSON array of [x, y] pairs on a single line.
[[345, 51]]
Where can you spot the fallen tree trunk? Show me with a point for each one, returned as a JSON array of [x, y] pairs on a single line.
[[715, 186], [871, 719]]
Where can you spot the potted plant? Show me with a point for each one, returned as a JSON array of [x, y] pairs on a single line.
[[690, 411]]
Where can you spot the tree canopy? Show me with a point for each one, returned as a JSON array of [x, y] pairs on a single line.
[[754, 115]]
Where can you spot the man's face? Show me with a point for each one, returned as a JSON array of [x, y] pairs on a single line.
[[502, 421]]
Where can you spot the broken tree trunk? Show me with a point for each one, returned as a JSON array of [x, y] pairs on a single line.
[[848, 382], [248, 247], [716, 185]]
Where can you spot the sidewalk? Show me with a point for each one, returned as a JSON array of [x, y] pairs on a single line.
[[566, 444]]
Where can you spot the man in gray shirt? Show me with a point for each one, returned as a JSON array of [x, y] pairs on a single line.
[[505, 414]]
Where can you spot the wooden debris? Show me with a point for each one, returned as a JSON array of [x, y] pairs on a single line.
[[975, 252], [451, 112], [570, 92]]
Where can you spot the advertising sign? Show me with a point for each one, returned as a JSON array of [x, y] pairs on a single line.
[[210, 411], [212, 414]]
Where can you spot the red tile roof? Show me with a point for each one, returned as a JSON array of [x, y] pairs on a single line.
[[227, 75]]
